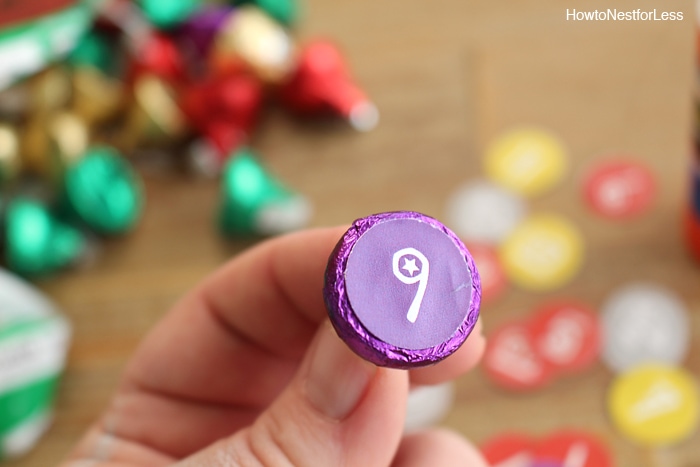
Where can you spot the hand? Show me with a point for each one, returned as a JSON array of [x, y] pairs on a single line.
[[246, 370]]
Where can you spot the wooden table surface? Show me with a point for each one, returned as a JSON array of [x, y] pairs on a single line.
[[447, 77]]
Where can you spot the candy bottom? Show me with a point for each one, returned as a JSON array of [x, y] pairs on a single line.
[[402, 290]]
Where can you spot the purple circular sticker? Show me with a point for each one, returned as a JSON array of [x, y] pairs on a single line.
[[402, 290]]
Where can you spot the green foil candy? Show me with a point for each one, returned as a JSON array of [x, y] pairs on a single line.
[[95, 50], [36, 243], [285, 12], [254, 202], [166, 14], [103, 192]]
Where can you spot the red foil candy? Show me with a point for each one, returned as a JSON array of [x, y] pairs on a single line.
[[692, 232], [224, 138], [231, 98], [321, 84], [158, 55], [224, 109], [692, 212]]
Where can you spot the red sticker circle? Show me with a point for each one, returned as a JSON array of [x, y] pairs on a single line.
[[566, 335], [620, 189], [574, 448], [493, 277], [511, 361], [513, 449]]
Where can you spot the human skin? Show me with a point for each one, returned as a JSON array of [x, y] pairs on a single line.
[[245, 370]]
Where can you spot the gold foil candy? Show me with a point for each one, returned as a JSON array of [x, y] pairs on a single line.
[[50, 90], [53, 143], [252, 37], [96, 97], [155, 115], [9, 154]]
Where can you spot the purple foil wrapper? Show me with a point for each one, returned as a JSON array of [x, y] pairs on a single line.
[[451, 277], [202, 27]]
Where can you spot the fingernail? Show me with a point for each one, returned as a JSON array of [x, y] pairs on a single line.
[[337, 378]]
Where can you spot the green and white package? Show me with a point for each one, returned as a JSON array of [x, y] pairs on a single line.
[[34, 340], [34, 33]]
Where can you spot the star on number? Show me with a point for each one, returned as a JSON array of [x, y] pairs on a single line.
[[410, 266]]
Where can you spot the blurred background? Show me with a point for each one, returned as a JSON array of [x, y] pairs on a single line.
[[449, 79]]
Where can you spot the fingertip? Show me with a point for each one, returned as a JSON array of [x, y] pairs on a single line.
[[339, 409], [336, 379], [271, 294], [298, 267]]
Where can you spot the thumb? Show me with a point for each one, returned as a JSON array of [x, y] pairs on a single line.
[[338, 410]]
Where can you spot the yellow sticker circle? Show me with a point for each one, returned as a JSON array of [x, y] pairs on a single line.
[[542, 253], [654, 404], [529, 161]]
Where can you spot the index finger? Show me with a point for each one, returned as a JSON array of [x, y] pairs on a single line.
[[273, 295], [238, 336]]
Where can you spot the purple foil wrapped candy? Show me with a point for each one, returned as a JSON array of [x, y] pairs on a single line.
[[402, 290], [201, 28]]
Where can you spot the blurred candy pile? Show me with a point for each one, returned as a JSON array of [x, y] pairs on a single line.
[[641, 331], [96, 84]]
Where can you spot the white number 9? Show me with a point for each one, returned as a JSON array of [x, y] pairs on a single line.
[[421, 277]]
